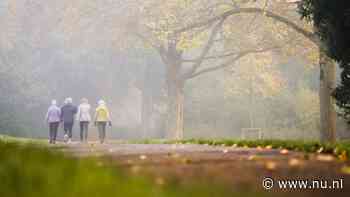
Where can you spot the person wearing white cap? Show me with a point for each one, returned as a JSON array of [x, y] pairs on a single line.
[[84, 118], [102, 117], [53, 117]]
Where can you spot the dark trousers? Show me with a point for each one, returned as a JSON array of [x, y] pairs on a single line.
[[101, 126], [68, 127], [53, 127], [84, 128]]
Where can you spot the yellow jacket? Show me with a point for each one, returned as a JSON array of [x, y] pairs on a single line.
[[102, 114]]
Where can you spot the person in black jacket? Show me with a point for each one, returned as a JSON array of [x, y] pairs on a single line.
[[68, 111]]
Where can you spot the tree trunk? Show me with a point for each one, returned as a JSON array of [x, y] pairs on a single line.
[[175, 119], [327, 111]]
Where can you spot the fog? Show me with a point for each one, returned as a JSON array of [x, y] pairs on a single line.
[[93, 49]]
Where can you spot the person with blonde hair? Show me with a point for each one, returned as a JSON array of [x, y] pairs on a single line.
[[84, 118], [102, 118], [53, 116]]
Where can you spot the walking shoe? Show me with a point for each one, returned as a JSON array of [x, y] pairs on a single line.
[[69, 140], [65, 138]]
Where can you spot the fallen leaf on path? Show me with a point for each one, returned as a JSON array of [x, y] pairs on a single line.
[[259, 148], [225, 151], [326, 158], [294, 162], [268, 147], [345, 170], [320, 150], [160, 181], [135, 169], [343, 156], [284, 151], [270, 165], [174, 155], [252, 157], [143, 157], [185, 161], [234, 146], [173, 146]]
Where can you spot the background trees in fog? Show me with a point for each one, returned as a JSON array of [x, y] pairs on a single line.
[[158, 77]]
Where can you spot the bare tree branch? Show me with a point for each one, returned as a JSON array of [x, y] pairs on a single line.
[[230, 61], [207, 47], [310, 35]]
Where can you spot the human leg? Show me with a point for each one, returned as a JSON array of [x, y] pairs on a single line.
[[55, 129], [81, 131]]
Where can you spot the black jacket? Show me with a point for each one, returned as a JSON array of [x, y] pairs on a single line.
[[67, 113]]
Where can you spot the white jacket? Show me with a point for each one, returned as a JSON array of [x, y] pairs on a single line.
[[84, 112]]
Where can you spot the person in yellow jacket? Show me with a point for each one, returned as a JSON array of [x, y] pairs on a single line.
[[102, 118]]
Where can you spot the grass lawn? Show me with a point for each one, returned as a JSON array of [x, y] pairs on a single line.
[[339, 149], [33, 170]]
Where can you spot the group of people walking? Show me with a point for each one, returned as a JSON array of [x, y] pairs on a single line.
[[68, 113]]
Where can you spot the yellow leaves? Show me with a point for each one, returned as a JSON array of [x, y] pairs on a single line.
[[345, 170], [136, 169], [256, 76], [325, 158], [284, 151], [160, 181], [343, 156], [271, 165], [313, 56], [187, 41], [307, 108], [295, 162], [143, 157], [223, 7], [252, 157]]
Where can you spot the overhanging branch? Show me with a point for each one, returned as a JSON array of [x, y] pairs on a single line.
[[311, 36], [230, 61]]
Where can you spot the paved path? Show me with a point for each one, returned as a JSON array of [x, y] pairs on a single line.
[[239, 168]]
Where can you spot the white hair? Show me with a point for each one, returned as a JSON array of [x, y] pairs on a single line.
[[54, 102], [101, 102], [68, 100], [84, 100]]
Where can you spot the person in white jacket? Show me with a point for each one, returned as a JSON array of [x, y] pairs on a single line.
[[84, 118]]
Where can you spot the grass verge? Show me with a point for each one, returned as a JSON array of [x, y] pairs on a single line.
[[339, 149], [31, 170]]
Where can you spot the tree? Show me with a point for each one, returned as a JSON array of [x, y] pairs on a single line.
[[327, 67], [255, 79], [179, 30], [332, 23]]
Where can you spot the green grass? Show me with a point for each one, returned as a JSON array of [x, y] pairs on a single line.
[[339, 149], [30, 170], [6, 138]]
